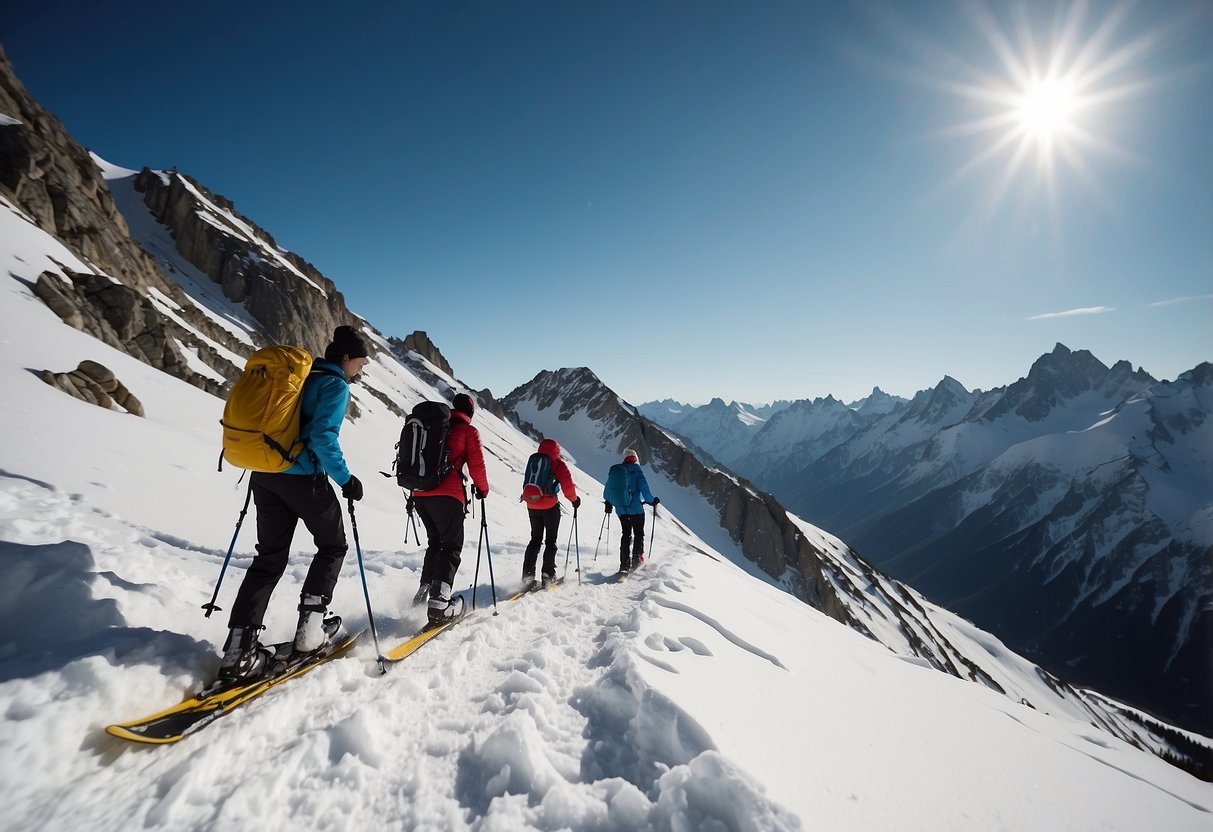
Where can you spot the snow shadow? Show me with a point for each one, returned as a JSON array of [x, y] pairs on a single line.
[[49, 617]]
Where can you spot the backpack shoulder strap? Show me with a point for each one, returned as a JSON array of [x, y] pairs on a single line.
[[325, 371]]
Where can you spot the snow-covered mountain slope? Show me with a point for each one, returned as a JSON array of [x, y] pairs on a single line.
[[1107, 529], [770, 444], [690, 696], [667, 412], [593, 424], [795, 438], [1052, 511], [722, 430], [876, 403]]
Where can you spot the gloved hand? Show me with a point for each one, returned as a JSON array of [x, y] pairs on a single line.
[[352, 490], [409, 505], [481, 493], [656, 500], [608, 507], [577, 503]]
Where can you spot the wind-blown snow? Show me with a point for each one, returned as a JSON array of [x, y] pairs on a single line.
[[689, 697]]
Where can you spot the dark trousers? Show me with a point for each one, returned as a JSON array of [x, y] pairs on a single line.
[[442, 517], [631, 523], [283, 500], [544, 521]]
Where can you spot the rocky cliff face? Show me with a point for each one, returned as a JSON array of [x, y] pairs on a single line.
[[45, 174], [291, 301], [134, 300]]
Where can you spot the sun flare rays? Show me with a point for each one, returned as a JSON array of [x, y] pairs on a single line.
[[1041, 106]]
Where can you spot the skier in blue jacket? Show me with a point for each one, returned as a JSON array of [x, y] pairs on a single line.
[[301, 492], [627, 491]]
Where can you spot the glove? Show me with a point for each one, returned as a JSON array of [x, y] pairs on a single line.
[[481, 493], [608, 507], [577, 503], [352, 490], [656, 500], [409, 505]]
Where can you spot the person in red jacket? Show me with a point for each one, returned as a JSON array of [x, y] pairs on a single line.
[[544, 513], [443, 508]]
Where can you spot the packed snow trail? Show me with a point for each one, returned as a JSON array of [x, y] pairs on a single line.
[[528, 702]]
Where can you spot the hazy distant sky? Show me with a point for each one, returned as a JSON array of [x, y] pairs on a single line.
[[746, 200]]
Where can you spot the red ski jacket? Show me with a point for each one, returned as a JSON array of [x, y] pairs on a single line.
[[463, 446], [551, 449]]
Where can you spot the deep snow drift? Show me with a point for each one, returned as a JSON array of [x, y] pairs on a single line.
[[691, 696]]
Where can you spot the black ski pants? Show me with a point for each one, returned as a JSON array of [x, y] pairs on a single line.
[[283, 500], [630, 524], [545, 521], [442, 517]]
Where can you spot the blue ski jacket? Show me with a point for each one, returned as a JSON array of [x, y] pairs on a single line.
[[639, 487], [325, 398]]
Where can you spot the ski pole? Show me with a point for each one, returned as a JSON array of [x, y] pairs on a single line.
[[410, 510], [605, 518], [488, 553], [569, 546], [653, 531], [476, 576], [210, 608], [577, 544], [365, 592]]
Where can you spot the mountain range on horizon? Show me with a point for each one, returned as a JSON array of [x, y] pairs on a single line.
[[1071, 503], [157, 268]]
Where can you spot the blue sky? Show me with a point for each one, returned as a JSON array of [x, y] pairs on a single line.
[[746, 200]]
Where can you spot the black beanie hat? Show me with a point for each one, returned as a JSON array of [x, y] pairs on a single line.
[[464, 404], [345, 342]]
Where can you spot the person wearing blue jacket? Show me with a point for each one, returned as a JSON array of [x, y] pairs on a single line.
[[627, 491], [301, 492]]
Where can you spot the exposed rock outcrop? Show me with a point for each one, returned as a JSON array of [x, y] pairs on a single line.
[[122, 318], [95, 384], [421, 344]]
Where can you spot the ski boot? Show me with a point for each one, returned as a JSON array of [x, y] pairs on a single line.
[[548, 577], [314, 631], [440, 607], [421, 595], [244, 659]]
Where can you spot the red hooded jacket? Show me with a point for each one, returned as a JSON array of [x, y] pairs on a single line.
[[463, 446], [551, 449]]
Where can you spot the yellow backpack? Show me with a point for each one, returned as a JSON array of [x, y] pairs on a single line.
[[261, 417]]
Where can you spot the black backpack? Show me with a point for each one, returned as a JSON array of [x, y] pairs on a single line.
[[421, 454]]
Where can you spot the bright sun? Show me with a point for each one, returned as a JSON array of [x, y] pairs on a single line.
[[1047, 108], [1042, 101]]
